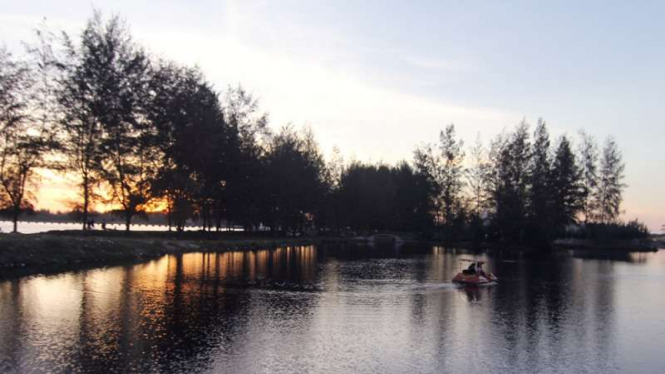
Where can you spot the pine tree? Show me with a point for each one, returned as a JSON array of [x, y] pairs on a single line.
[[566, 187], [112, 71], [426, 163], [476, 177], [450, 173], [588, 157], [512, 178], [610, 183], [539, 178]]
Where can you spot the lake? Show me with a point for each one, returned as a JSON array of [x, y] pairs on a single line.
[[332, 309]]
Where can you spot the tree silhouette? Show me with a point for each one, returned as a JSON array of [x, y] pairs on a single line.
[[442, 165], [24, 134], [540, 169], [567, 190], [79, 119], [294, 173], [247, 140], [610, 183], [188, 134], [119, 72], [588, 156], [476, 177], [512, 182], [134, 129]]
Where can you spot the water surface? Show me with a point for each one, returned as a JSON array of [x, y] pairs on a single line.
[[339, 310]]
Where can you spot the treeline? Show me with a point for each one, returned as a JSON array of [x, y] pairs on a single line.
[[143, 134], [523, 188]]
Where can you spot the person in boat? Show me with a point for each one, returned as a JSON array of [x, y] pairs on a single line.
[[480, 270], [472, 268]]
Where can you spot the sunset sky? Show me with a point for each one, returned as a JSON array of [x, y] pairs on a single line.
[[377, 78]]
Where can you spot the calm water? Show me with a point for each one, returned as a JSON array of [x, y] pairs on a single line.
[[328, 310]]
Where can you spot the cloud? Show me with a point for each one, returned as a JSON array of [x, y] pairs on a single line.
[[369, 121], [436, 64]]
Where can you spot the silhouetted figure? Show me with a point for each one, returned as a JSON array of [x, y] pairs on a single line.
[[480, 270], [104, 225]]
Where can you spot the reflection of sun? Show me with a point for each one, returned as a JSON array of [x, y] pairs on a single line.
[[249, 265], [154, 274]]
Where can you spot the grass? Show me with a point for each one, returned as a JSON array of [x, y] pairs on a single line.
[[77, 247]]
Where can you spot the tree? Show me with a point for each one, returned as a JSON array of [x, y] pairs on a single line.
[[426, 163], [14, 83], [450, 173], [79, 118], [168, 112], [588, 156], [442, 166], [511, 181], [566, 187], [335, 169], [610, 183], [207, 156], [24, 136], [101, 90], [117, 75], [539, 181], [190, 139], [294, 175], [493, 170], [412, 199], [247, 141], [476, 177], [368, 197]]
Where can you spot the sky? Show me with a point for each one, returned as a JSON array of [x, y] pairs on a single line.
[[378, 78]]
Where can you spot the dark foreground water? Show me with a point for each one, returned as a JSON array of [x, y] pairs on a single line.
[[330, 310]]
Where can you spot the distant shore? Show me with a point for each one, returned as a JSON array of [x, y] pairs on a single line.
[[635, 245]]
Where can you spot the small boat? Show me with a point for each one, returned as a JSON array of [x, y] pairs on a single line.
[[474, 275]]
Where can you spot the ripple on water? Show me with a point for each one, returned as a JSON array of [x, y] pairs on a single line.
[[293, 310]]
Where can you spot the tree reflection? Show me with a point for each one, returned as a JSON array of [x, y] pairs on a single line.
[[254, 311]]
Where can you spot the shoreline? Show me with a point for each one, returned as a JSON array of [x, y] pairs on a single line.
[[59, 251], [67, 250], [634, 245]]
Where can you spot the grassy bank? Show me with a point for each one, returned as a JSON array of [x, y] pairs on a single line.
[[75, 248]]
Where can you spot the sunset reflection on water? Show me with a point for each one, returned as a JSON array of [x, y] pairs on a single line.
[[336, 310]]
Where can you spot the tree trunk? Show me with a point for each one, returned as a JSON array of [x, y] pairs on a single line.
[[128, 221], [16, 213], [86, 202]]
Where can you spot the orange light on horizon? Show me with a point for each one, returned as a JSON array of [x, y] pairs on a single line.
[[58, 192]]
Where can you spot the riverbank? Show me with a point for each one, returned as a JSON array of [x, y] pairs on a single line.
[[66, 250], [635, 245], [76, 248]]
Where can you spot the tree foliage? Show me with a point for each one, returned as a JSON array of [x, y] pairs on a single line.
[[25, 136], [610, 183], [567, 190]]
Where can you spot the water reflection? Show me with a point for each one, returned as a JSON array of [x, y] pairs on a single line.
[[335, 310]]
